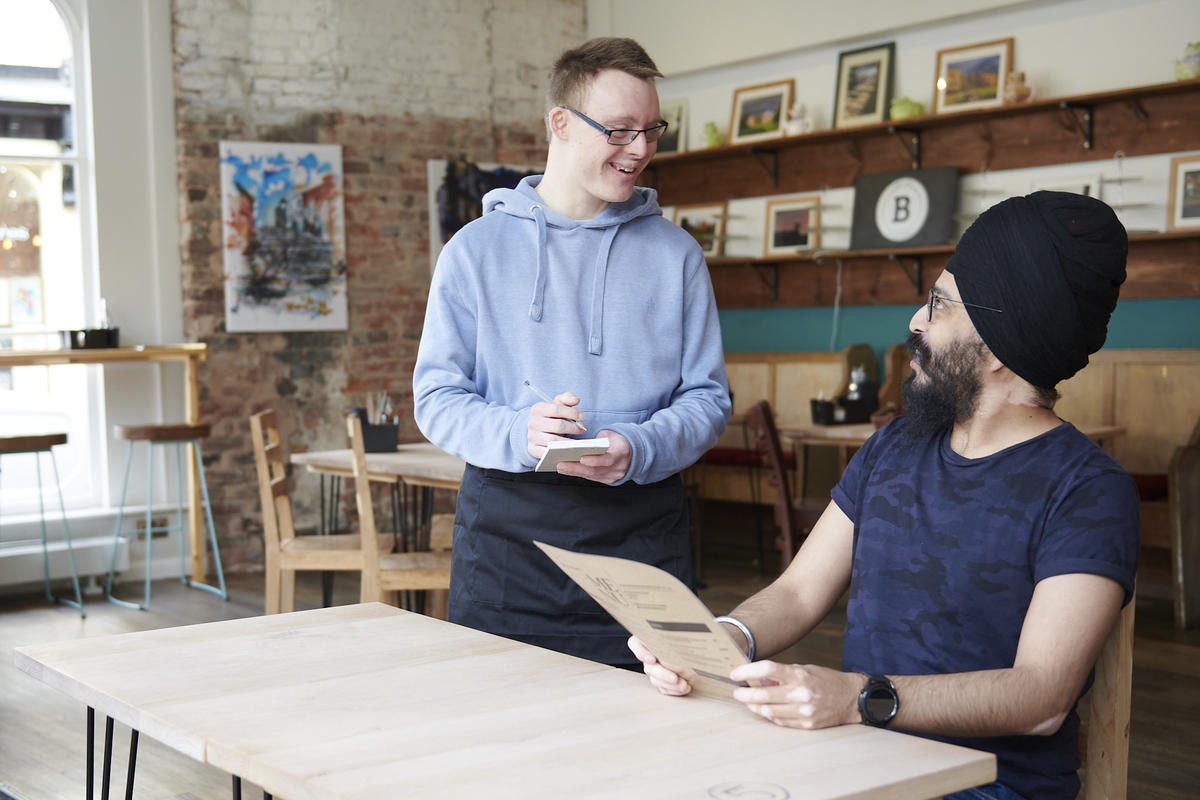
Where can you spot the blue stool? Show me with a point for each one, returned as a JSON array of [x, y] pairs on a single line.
[[37, 445], [180, 436]]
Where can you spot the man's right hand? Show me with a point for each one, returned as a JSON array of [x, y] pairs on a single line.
[[549, 422], [661, 678]]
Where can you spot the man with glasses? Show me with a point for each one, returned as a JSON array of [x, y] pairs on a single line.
[[575, 284], [987, 545]]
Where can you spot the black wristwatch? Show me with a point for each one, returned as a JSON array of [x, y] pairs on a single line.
[[878, 701]]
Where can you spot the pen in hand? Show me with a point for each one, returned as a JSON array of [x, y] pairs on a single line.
[[547, 399]]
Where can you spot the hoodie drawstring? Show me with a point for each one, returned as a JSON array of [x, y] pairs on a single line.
[[539, 278], [600, 272]]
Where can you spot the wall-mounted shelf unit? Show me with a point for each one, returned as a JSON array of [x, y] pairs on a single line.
[[1140, 120]]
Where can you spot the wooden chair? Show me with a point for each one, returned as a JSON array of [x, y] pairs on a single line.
[[795, 517], [1105, 742], [1183, 503], [385, 573], [284, 551]]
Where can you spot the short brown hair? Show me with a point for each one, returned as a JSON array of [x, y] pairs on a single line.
[[575, 68]]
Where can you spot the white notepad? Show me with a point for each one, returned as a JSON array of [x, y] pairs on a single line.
[[570, 450]]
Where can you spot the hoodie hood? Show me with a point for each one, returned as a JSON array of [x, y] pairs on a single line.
[[524, 202]]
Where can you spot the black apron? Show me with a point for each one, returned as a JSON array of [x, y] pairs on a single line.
[[502, 584]]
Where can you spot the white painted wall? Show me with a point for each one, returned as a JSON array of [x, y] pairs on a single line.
[[687, 35], [1065, 47]]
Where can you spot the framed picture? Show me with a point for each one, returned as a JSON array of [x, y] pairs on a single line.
[[1183, 207], [793, 225], [758, 111], [674, 113], [25, 300], [972, 76], [906, 208], [706, 223], [284, 237], [864, 85]]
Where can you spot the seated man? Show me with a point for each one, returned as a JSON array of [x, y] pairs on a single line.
[[987, 545]]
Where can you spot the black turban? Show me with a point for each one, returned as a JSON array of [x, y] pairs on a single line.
[[1053, 262]]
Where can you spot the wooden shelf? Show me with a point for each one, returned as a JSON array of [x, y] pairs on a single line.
[[1161, 264], [1131, 97], [1135, 121]]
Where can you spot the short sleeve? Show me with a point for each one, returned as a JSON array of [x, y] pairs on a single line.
[[1094, 530]]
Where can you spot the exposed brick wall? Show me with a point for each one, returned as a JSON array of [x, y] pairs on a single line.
[[395, 83]]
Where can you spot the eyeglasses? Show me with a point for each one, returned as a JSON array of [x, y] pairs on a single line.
[[622, 136], [935, 298]]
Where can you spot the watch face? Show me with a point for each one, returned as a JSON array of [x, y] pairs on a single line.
[[881, 704]]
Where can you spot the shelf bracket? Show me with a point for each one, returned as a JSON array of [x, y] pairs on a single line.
[[772, 169], [914, 143], [915, 277], [1086, 127], [773, 283]]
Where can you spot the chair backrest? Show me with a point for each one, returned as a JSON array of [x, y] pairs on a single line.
[[764, 437], [1107, 762], [271, 465], [895, 369], [364, 501]]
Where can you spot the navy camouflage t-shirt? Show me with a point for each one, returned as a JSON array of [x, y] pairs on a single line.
[[947, 551]]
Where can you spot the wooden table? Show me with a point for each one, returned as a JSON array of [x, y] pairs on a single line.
[[190, 355], [416, 464], [419, 467], [367, 701]]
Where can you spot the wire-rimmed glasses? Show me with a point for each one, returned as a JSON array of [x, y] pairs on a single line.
[[622, 136], [935, 298]]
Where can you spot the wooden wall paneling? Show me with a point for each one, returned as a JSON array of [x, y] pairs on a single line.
[[1157, 404], [805, 282], [1087, 397], [1162, 266]]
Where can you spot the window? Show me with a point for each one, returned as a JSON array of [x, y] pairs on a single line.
[[43, 264]]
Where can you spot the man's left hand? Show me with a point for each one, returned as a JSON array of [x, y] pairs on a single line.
[[799, 695], [608, 467]]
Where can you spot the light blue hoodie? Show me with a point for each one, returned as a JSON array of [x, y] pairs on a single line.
[[618, 309]]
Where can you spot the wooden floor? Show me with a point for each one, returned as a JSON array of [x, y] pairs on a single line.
[[42, 733]]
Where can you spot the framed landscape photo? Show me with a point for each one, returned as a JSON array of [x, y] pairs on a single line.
[[706, 223], [758, 111], [793, 225], [864, 85], [1183, 206], [674, 113], [972, 76]]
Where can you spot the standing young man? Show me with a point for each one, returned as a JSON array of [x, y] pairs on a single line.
[[987, 544], [575, 283]]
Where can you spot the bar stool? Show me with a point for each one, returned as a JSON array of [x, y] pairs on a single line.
[[180, 436], [38, 444]]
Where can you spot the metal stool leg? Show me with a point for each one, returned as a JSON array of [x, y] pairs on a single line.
[[183, 571], [219, 589], [112, 561], [78, 601]]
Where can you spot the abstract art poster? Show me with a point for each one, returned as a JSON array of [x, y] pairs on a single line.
[[284, 237]]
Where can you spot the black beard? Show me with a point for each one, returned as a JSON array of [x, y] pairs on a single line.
[[949, 391]]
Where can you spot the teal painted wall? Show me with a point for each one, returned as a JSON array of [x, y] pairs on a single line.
[[1135, 324]]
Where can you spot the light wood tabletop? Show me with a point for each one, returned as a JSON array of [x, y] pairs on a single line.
[[417, 464], [367, 701]]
